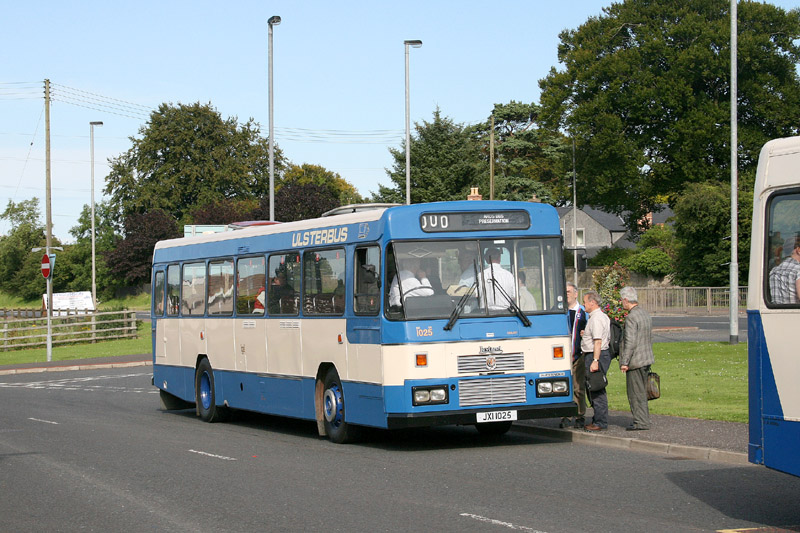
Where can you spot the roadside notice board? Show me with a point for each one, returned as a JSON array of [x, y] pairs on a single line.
[[76, 301]]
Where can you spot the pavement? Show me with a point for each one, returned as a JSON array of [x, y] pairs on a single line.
[[670, 436]]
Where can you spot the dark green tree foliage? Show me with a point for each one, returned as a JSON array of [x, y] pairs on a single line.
[[702, 225], [645, 91], [299, 202], [20, 269], [225, 211], [132, 259], [189, 156], [529, 160], [445, 163]]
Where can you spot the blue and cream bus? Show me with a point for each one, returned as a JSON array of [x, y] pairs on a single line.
[[773, 310], [391, 317]]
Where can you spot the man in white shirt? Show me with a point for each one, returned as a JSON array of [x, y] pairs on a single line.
[[413, 280], [496, 280], [594, 344]]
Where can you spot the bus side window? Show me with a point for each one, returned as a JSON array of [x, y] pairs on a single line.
[[193, 294], [781, 255], [250, 272], [158, 293], [366, 295], [173, 290], [323, 282], [284, 280]]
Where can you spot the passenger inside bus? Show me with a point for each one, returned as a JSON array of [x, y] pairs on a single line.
[[526, 300], [281, 295], [500, 283], [411, 280], [784, 279]]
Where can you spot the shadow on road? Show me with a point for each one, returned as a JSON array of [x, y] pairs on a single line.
[[754, 494]]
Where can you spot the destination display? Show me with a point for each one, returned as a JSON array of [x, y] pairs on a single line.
[[483, 221]]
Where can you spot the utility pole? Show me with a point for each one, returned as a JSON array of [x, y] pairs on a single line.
[[49, 216], [491, 160], [734, 272]]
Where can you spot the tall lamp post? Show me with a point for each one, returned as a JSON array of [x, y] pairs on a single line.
[[273, 21], [91, 142], [414, 44]]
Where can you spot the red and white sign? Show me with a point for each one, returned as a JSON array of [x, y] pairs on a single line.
[[46, 269]]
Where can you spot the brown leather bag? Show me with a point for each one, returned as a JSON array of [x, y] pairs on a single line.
[[653, 386]]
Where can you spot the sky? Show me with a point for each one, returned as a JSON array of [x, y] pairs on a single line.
[[338, 75]]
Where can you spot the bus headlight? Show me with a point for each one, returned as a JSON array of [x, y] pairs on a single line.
[[560, 387], [422, 396], [552, 387], [436, 394]]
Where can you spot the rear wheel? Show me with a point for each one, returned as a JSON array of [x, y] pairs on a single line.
[[493, 429], [207, 407], [336, 428]]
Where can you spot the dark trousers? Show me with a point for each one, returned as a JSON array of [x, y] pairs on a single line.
[[579, 385], [599, 399], [636, 382]]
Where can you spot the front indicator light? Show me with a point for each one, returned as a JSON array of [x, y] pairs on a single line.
[[558, 352], [544, 387]]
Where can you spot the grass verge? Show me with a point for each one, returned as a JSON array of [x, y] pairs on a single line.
[[705, 380], [141, 344]]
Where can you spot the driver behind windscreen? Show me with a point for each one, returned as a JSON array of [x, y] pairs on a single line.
[[413, 281]]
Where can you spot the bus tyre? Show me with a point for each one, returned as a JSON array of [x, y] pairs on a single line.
[[493, 429], [170, 402], [336, 428], [207, 409]]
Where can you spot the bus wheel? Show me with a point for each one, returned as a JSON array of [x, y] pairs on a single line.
[[207, 408], [336, 428], [493, 429]]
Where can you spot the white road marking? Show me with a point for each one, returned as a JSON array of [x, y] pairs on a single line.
[[84, 384], [213, 455], [494, 522], [45, 421]]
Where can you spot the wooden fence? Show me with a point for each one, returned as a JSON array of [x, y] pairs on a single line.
[[67, 327]]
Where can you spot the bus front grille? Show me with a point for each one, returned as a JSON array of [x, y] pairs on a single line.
[[474, 364], [491, 391]]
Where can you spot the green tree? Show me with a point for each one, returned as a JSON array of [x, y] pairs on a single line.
[[295, 201], [341, 189], [644, 91], [655, 254], [445, 163], [20, 269], [225, 211], [702, 227], [75, 263], [529, 160], [189, 156]]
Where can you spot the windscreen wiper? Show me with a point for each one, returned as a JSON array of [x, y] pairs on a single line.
[[460, 306], [512, 306]]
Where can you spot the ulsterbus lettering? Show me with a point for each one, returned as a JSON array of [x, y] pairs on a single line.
[[316, 237]]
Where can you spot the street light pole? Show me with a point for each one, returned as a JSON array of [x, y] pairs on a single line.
[[273, 21], [414, 44], [91, 149]]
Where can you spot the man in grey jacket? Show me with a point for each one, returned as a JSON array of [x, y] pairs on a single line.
[[636, 357]]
